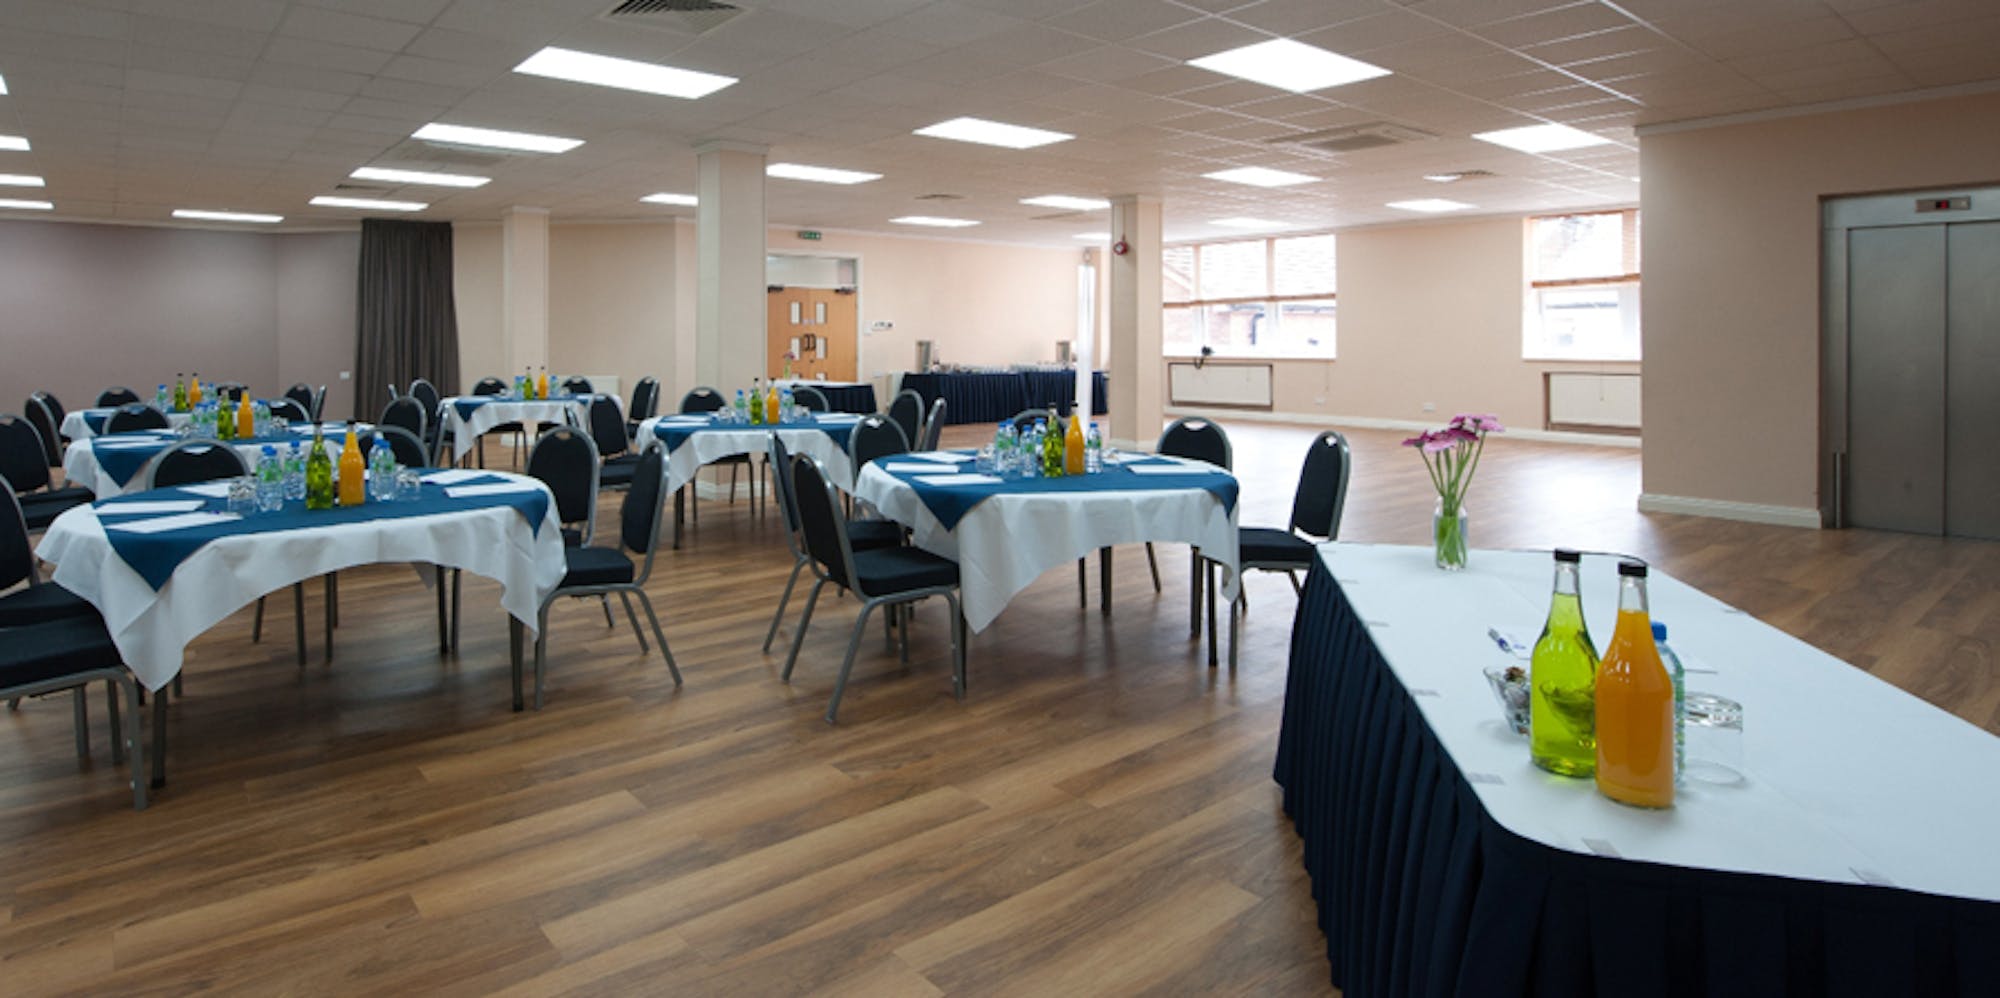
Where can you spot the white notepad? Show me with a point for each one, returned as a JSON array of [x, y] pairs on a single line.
[[490, 489], [941, 455], [180, 521], [958, 479], [150, 506], [452, 477], [213, 490]]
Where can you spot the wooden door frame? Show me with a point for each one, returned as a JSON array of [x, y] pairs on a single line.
[[860, 313]]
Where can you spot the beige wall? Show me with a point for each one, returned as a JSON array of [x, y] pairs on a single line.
[[1731, 249], [317, 274], [476, 262], [612, 300], [1430, 313]]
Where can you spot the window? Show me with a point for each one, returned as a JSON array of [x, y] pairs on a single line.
[[1583, 287], [1249, 298]]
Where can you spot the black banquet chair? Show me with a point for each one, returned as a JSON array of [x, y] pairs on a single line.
[[601, 571], [135, 416], [933, 427], [36, 601], [1201, 440], [409, 451], [862, 535], [301, 393], [614, 448], [906, 410], [192, 461], [577, 384], [48, 424], [70, 653], [645, 404], [890, 576], [700, 401], [408, 413], [1316, 507], [24, 464], [565, 460], [115, 396], [811, 398], [291, 410]]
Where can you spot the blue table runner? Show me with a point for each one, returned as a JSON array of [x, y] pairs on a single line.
[[950, 503], [123, 463], [156, 556], [673, 435]]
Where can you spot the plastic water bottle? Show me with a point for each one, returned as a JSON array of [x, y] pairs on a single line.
[[1031, 451], [1674, 668], [163, 399], [295, 474], [742, 408], [270, 480], [381, 471], [1093, 451], [785, 407]]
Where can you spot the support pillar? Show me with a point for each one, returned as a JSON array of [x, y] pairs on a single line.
[[729, 233], [1135, 367]]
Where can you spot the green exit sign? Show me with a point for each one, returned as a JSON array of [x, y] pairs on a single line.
[[809, 235]]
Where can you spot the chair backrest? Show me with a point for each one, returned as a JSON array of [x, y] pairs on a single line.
[[907, 411], [781, 458], [933, 425], [821, 525], [232, 390], [874, 437], [490, 386], [292, 409], [1029, 417], [645, 398], [565, 460], [407, 413], [577, 384], [811, 398], [639, 517], [426, 393], [319, 404], [301, 393], [116, 395], [17, 556], [1322, 493], [55, 405], [607, 427], [192, 461], [702, 399], [45, 423], [1194, 437], [21, 459], [135, 416], [408, 449]]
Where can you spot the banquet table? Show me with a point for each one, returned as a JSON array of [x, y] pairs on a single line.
[[1854, 857], [469, 417], [82, 424], [1005, 532], [692, 441], [110, 465], [857, 397], [988, 397]]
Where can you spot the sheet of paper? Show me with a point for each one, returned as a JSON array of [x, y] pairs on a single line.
[[944, 456], [212, 490], [452, 477], [180, 521], [958, 479], [1173, 468], [910, 468], [490, 489], [128, 444], [149, 506]]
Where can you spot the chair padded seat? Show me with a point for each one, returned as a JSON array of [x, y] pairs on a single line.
[[74, 493], [900, 569], [617, 471], [53, 649], [1264, 546], [39, 509], [867, 535], [596, 567], [44, 602]]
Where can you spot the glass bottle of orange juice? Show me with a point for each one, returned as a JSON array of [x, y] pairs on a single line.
[[246, 418], [353, 486], [1635, 704]]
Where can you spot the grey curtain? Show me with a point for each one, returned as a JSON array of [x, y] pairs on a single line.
[[406, 318]]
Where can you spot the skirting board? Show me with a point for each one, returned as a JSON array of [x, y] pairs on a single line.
[[1748, 512], [1412, 425]]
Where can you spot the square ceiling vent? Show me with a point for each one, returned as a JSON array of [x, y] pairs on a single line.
[[691, 17]]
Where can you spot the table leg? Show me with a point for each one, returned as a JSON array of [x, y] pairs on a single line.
[[514, 635], [332, 616], [1104, 580], [159, 741], [1211, 614]]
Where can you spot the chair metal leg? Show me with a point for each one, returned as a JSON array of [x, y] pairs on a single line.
[[138, 744], [117, 725], [1154, 564], [903, 613], [299, 619], [1235, 631], [444, 619], [626, 598], [659, 635], [605, 600], [332, 613], [847, 664], [1212, 659], [541, 653], [805, 620], [798, 566], [82, 721], [514, 636], [1104, 580], [1194, 595], [1298, 588], [257, 623], [732, 483]]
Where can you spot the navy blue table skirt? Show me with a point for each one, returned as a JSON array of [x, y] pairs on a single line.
[[848, 398], [990, 398], [1420, 892]]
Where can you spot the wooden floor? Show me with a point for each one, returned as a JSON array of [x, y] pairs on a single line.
[[1097, 817]]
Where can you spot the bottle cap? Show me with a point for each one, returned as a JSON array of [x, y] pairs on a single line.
[[1632, 567], [1659, 631], [1565, 554]]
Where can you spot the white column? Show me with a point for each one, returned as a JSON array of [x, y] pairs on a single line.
[[729, 322], [1134, 367], [524, 288]]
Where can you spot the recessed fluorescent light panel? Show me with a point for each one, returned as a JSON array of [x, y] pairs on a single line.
[[3, 85], [1542, 138], [1429, 205], [1258, 176], [624, 74], [1289, 65], [494, 138], [1248, 223], [227, 216], [934, 222], [1068, 203], [419, 177], [818, 174], [993, 133], [685, 199], [13, 143], [27, 205], [371, 204], [1444, 178], [20, 180]]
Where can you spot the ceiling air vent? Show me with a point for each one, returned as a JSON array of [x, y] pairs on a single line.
[[689, 16], [1355, 138], [940, 197]]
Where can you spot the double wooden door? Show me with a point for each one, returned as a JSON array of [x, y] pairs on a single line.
[[818, 327]]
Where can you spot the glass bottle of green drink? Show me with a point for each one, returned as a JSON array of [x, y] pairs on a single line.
[[319, 475], [1562, 676]]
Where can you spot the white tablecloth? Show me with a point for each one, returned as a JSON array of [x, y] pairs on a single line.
[[153, 627], [1849, 778], [709, 446], [75, 427], [80, 465], [1008, 540], [466, 431]]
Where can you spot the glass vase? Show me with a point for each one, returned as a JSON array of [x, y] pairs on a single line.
[[1448, 536]]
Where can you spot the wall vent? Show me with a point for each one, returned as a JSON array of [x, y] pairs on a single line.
[[689, 16], [1355, 138]]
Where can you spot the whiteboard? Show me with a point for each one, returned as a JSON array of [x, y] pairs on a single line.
[[1238, 386], [1581, 398]]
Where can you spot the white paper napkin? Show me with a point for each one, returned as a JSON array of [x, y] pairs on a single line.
[[490, 489], [958, 479], [180, 521], [941, 455], [1174, 468], [911, 468], [150, 506], [213, 490], [451, 477]]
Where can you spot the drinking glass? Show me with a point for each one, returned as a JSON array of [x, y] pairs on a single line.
[[243, 495], [409, 484], [1714, 730]]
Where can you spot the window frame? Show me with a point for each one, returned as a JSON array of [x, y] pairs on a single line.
[[1270, 298]]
